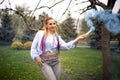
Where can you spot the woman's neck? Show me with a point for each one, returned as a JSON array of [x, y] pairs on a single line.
[[50, 33]]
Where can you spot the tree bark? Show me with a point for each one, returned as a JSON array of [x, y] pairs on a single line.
[[106, 54], [106, 47]]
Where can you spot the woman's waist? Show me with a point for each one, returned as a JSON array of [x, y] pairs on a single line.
[[50, 53]]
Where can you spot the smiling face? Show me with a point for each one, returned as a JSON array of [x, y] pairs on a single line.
[[51, 24]]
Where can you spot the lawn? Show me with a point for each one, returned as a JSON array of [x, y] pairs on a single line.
[[76, 64]]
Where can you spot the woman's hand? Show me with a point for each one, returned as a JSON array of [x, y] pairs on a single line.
[[82, 37], [39, 61]]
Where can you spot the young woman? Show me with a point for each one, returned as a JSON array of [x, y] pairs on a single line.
[[45, 49]]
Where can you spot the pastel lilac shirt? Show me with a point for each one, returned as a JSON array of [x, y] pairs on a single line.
[[50, 45]]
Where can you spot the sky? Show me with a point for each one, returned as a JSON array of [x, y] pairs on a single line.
[[57, 11]]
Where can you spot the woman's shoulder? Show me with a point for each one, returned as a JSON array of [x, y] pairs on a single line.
[[40, 32]]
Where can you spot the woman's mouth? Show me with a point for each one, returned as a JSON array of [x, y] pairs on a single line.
[[52, 27]]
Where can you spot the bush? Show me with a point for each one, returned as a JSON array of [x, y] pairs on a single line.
[[17, 45], [27, 45]]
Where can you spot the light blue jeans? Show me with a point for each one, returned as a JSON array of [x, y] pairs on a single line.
[[51, 67]]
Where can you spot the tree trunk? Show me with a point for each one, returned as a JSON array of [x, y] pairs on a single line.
[[106, 47], [106, 54]]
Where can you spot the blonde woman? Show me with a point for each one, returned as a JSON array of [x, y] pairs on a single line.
[[46, 46]]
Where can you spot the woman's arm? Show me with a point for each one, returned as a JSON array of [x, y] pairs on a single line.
[[35, 45], [71, 44], [81, 37]]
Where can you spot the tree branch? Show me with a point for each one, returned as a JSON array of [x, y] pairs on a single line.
[[36, 7], [2, 2], [101, 4], [66, 8], [50, 6]]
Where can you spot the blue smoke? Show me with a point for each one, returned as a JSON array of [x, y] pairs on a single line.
[[88, 15], [110, 20]]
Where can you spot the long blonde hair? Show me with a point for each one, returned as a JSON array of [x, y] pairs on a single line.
[[45, 22]]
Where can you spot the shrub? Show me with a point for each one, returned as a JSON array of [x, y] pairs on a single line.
[[17, 45], [27, 45]]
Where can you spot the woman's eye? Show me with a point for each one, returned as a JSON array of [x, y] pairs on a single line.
[[50, 24]]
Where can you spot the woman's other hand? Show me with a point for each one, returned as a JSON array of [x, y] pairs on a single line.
[[39, 61]]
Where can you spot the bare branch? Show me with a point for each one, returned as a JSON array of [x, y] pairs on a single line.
[[36, 7], [66, 8], [101, 4], [81, 11], [92, 5], [49, 2], [86, 9], [2, 1], [50, 6], [84, 1], [79, 3]]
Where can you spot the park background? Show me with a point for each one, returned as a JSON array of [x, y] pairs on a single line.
[[19, 24]]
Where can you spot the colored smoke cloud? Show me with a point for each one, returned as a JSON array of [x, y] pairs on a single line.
[[110, 20], [88, 15]]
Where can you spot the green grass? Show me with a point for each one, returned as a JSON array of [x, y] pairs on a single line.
[[76, 64], [81, 64], [17, 65]]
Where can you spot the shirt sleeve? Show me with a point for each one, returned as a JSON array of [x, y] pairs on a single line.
[[34, 48], [66, 45]]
